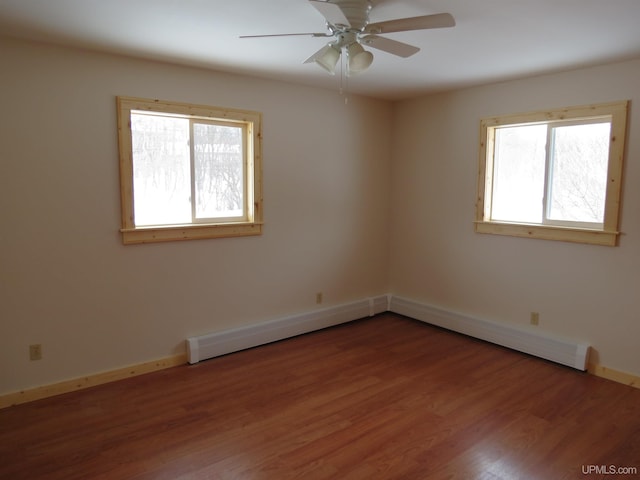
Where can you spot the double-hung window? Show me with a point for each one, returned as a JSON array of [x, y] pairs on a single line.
[[188, 171], [555, 175]]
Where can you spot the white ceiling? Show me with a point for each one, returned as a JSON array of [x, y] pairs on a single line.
[[493, 39]]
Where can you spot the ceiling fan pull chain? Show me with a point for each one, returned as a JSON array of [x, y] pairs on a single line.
[[344, 77]]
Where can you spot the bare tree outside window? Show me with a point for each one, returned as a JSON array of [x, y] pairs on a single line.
[[161, 169], [188, 171], [553, 174], [218, 169], [547, 173], [578, 187], [166, 180]]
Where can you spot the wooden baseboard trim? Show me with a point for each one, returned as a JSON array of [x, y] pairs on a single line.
[[615, 375], [38, 393]]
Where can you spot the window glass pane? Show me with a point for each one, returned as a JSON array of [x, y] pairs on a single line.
[[518, 176], [161, 170], [218, 171], [579, 159]]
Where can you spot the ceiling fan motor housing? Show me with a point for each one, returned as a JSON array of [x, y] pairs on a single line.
[[344, 39]]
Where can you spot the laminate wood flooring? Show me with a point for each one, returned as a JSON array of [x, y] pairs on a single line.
[[380, 398]]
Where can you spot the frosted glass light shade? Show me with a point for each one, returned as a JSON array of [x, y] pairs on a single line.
[[359, 59], [327, 58]]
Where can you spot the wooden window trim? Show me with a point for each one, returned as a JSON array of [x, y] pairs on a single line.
[[608, 234], [253, 226]]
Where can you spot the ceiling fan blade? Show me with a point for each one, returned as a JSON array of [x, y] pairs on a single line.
[[331, 12], [390, 46], [288, 35], [439, 20]]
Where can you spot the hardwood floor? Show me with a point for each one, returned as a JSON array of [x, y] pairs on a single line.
[[380, 398]]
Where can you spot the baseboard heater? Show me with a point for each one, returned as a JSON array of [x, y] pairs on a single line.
[[215, 344], [521, 338]]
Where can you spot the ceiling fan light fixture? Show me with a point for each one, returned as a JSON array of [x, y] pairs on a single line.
[[347, 22], [327, 58], [359, 58]]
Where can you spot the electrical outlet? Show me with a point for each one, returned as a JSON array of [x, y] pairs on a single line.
[[35, 352], [319, 298], [535, 318]]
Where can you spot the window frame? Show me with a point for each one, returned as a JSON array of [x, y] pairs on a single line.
[[608, 233], [250, 224]]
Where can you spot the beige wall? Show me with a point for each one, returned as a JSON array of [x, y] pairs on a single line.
[[68, 283], [581, 291], [346, 187]]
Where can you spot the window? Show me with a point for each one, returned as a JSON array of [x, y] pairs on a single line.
[[554, 175], [188, 171]]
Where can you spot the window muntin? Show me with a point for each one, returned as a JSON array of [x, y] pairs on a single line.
[[553, 175], [188, 171]]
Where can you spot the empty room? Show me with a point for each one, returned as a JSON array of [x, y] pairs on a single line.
[[340, 239]]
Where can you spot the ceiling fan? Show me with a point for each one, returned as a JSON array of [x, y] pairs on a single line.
[[347, 23]]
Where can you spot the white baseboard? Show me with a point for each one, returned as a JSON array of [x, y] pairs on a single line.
[[228, 341], [521, 338]]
